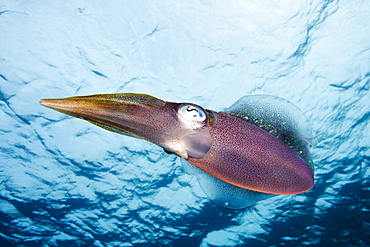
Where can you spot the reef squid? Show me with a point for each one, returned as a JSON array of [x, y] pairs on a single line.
[[257, 148]]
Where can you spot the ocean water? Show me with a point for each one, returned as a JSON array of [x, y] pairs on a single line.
[[65, 182]]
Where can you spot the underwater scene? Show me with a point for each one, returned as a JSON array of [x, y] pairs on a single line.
[[185, 123]]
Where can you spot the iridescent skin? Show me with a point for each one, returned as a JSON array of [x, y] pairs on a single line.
[[225, 146], [247, 156]]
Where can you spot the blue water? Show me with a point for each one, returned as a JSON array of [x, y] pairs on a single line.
[[65, 182]]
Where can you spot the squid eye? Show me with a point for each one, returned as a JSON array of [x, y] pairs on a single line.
[[192, 113]]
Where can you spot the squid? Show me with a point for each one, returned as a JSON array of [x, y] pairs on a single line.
[[256, 148]]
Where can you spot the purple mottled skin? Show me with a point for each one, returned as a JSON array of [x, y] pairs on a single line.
[[247, 156]]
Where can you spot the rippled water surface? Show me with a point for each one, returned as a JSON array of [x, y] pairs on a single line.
[[65, 182]]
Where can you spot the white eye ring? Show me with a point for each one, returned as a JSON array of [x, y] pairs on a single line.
[[192, 113]]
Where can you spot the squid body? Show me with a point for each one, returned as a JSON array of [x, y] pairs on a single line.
[[256, 148]]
